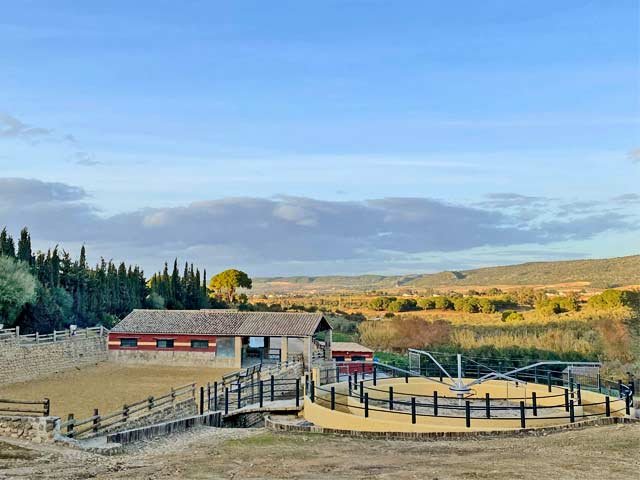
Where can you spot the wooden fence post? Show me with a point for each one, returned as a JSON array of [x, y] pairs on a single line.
[[226, 400], [487, 406], [297, 392], [215, 395], [534, 401], [201, 400], [523, 422], [467, 412], [607, 405], [572, 417], [261, 393], [70, 422], [150, 403], [333, 398], [125, 413], [96, 420], [579, 390], [435, 403], [47, 407], [391, 398], [413, 410], [273, 387], [366, 404]]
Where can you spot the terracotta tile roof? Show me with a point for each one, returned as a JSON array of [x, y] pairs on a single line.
[[222, 322], [349, 347]]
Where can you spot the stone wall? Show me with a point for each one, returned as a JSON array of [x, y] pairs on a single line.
[[171, 357], [27, 362], [34, 429], [182, 409]]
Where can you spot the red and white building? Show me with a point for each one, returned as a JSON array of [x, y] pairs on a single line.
[[219, 338]]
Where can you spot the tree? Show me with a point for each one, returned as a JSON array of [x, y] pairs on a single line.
[[402, 305], [17, 287], [380, 303], [7, 247], [24, 247], [228, 281]]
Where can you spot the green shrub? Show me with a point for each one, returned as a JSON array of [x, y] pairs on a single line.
[[443, 303], [615, 299], [402, 305]]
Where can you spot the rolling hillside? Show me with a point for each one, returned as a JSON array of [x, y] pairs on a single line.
[[602, 273]]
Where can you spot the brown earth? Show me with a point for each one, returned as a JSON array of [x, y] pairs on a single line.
[[598, 452], [107, 386]]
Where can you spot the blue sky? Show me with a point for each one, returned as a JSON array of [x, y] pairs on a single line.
[[298, 116]]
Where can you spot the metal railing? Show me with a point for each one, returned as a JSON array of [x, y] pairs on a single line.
[[25, 408], [98, 423], [359, 381]]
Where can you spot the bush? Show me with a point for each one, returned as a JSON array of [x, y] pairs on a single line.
[[555, 305], [614, 299], [511, 316], [443, 303], [402, 305], [427, 303], [381, 303], [468, 304]]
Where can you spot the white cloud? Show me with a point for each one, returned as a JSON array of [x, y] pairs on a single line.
[[300, 230]]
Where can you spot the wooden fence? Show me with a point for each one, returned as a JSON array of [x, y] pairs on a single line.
[[13, 335], [25, 408], [98, 423]]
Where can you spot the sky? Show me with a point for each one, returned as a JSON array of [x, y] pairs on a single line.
[[322, 137]]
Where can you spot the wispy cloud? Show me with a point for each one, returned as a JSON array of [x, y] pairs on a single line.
[[634, 155], [11, 128]]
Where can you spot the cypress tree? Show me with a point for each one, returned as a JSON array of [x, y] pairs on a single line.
[[24, 247]]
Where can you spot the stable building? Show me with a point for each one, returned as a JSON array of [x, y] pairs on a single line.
[[346, 352], [218, 338]]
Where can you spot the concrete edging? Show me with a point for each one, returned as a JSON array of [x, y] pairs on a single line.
[[275, 426]]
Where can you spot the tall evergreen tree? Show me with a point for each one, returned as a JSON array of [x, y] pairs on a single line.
[[24, 247]]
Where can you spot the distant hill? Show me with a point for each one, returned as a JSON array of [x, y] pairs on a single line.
[[601, 273]]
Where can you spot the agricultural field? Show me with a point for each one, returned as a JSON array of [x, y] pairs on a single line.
[[107, 386], [600, 452]]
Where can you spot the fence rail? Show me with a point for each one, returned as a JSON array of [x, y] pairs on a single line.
[[562, 398], [231, 397], [98, 423], [12, 335], [25, 407]]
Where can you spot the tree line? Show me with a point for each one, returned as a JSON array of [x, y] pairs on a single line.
[[43, 291]]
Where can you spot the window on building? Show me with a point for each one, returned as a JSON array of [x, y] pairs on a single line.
[[199, 343], [128, 342], [164, 343], [358, 358], [339, 358]]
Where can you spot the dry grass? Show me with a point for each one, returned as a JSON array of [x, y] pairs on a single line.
[[598, 452], [107, 386]]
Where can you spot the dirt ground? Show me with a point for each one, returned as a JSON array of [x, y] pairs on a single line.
[[598, 452], [107, 386]]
